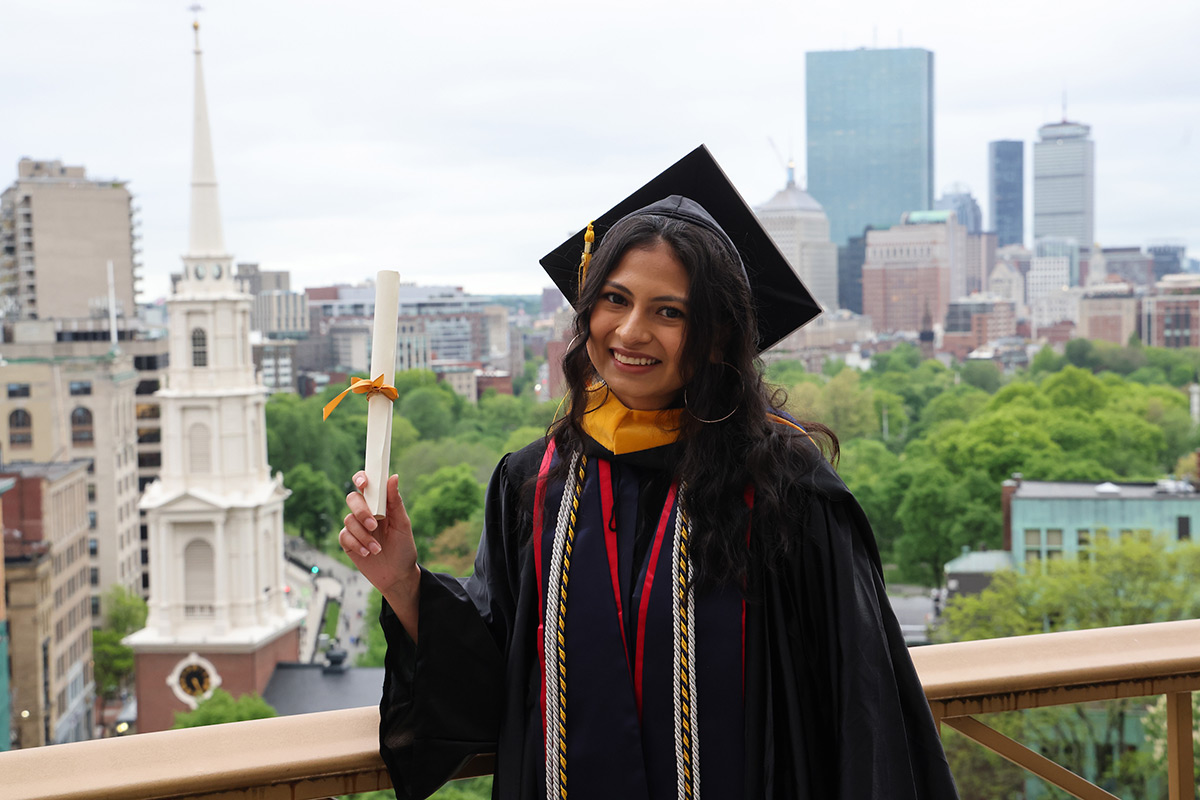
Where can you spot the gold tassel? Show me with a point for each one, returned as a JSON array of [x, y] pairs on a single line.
[[588, 238]]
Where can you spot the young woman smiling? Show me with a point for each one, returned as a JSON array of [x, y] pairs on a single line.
[[674, 594]]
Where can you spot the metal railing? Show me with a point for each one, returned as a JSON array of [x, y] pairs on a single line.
[[964, 679], [333, 753]]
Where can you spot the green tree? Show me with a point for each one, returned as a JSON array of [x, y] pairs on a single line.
[[449, 495], [873, 474], [1047, 360], [785, 373], [221, 707], [430, 411], [113, 662], [982, 374], [314, 506]]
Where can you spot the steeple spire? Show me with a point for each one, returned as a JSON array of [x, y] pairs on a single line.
[[206, 238]]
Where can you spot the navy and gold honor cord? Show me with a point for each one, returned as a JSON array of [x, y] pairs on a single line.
[[568, 545], [685, 702]]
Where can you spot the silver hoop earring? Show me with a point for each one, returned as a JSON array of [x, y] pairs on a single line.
[[721, 419]]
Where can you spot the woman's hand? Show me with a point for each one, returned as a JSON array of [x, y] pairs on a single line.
[[384, 550]]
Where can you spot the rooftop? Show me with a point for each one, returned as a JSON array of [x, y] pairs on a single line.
[[297, 688], [791, 198], [1071, 490], [36, 469]]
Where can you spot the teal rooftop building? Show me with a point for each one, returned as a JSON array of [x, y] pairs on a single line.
[[1047, 520]]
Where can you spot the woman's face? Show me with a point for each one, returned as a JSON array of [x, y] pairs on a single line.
[[638, 326]]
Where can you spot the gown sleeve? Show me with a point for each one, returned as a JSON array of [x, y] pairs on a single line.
[[443, 696], [838, 710]]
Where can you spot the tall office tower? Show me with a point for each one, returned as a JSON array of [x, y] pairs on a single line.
[[799, 227], [869, 136], [1006, 190], [58, 231], [1064, 165], [218, 610], [960, 200], [46, 579]]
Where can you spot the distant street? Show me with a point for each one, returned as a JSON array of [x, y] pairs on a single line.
[[337, 582]]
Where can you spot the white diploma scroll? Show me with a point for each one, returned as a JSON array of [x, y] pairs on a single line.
[[379, 407]]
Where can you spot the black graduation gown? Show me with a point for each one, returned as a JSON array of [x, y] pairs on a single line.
[[833, 706]]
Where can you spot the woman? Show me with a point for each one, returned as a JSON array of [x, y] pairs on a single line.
[[674, 595]]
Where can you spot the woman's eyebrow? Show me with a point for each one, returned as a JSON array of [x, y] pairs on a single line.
[[670, 298]]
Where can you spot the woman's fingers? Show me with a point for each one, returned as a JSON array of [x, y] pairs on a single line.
[[352, 545]]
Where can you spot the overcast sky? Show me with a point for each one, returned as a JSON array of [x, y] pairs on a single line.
[[457, 142]]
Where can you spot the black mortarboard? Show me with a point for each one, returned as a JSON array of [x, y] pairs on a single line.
[[781, 301]]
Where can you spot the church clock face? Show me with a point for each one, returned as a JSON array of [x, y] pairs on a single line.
[[216, 270], [193, 679], [198, 271]]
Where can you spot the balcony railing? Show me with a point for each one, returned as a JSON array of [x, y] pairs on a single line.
[[333, 753]]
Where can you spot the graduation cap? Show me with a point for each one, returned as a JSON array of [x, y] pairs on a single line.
[[781, 301]]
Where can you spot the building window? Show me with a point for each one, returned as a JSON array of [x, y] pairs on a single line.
[[149, 461], [20, 429], [199, 579], [1183, 529], [1033, 538], [91, 492], [78, 388], [199, 348], [95, 576], [18, 390], [81, 427], [92, 520], [93, 547], [95, 606]]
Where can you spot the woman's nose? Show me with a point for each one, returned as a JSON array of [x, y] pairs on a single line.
[[634, 328]]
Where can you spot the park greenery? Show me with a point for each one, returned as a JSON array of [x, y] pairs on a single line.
[[221, 707], [925, 448], [124, 613]]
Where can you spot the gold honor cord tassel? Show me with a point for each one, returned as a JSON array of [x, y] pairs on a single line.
[[362, 386], [588, 238]]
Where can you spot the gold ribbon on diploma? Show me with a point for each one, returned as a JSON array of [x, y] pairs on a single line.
[[363, 386]]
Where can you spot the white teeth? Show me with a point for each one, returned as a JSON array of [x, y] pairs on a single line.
[[634, 362]]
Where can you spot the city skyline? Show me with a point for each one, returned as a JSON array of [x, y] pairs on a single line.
[[459, 148]]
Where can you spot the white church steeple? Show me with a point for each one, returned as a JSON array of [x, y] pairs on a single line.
[[215, 515], [206, 240]]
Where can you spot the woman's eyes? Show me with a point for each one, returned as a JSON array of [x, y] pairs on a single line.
[[618, 299]]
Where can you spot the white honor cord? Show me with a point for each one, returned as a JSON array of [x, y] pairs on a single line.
[[553, 720]]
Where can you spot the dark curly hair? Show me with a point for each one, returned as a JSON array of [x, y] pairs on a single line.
[[718, 459]]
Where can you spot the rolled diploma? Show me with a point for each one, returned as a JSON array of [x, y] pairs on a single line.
[[379, 408]]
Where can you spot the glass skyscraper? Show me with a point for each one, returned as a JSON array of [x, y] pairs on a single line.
[[869, 136], [1006, 190]]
